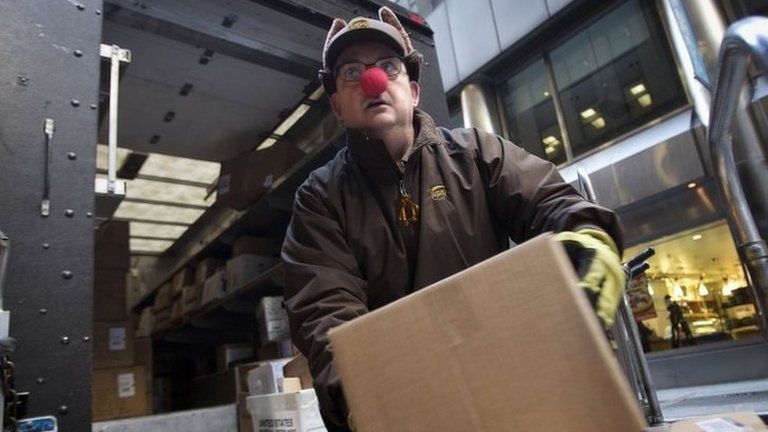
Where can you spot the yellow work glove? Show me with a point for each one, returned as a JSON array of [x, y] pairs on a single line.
[[595, 258]]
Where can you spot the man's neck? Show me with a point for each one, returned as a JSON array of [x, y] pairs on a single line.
[[397, 141]]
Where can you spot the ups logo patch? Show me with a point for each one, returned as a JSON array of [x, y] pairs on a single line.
[[438, 192], [358, 24]]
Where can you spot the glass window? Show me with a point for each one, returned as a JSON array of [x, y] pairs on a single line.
[[530, 113], [613, 76], [694, 292]]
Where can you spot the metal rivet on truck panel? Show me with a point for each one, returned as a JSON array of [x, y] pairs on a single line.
[[66, 274], [75, 102], [65, 340]]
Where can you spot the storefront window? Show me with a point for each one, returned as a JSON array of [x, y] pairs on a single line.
[[694, 293], [613, 76], [530, 113]]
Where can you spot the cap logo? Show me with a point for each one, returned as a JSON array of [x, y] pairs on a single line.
[[438, 192], [358, 24]]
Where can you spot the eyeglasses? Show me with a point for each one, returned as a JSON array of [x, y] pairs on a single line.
[[351, 72]]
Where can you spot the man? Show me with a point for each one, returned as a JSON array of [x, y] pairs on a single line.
[[681, 331], [407, 204]]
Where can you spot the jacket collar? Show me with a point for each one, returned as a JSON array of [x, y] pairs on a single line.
[[372, 154]]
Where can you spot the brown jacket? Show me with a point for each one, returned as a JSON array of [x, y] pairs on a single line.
[[346, 253]]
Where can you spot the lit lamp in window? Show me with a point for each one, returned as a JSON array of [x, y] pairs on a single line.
[[591, 116], [550, 144], [640, 93], [703, 291]]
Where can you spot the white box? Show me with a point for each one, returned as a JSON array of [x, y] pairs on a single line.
[[267, 378], [297, 411], [215, 287], [243, 268], [273, 320]]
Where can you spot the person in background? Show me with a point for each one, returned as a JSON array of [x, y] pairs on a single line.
[[681, 331], [406, 203]]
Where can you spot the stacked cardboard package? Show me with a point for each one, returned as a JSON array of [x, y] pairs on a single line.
[[121, 363]]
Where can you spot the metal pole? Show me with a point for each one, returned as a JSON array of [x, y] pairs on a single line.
[[475, 108], [627, 337], [745, 37]]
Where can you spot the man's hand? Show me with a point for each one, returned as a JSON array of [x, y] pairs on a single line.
[[595, 258]]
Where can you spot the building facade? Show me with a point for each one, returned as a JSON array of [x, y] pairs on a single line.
[[620, 89]]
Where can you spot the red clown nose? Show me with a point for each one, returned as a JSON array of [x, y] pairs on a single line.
[[374, 81]]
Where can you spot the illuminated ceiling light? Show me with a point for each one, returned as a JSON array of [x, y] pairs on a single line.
[[598, 123], [696, 237], [650, 289], [267, 143], [691, 185], [645, 100], [549, 149], [549, 140], [729, 287], [587, 113], [316, 94], [677, 291], [703, 291], [546, 93], [636, 90], [292, 119]]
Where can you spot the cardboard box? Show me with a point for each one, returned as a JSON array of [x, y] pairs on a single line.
[[249, 175], [113, 344], [112, 246], [244, 419], [205, 269], [135, 288], [215, 287], [162, 320], [146, 323], [177, 310], [272, 320], [119, 393], [267, 378], [298, 411], [298, 367], [164, 297], [231, 353], [190, 299], [735, 421], [275, 351], [261, 246], [109, 295], [508, 344], [242, 269], [182, 278]]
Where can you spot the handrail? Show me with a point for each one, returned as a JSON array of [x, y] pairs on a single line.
[[745, 38]]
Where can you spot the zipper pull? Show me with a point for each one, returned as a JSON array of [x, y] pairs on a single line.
[[409, 210]]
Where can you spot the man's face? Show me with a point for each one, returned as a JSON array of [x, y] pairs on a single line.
[[374, 114]]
